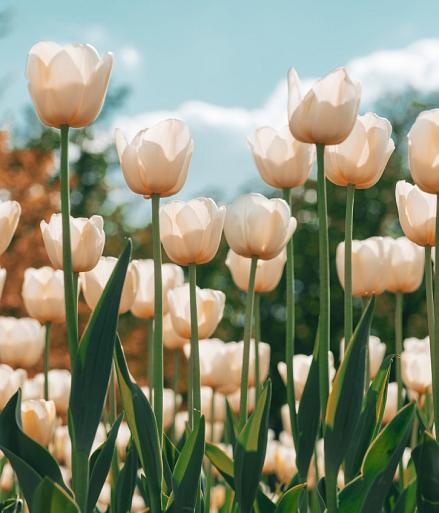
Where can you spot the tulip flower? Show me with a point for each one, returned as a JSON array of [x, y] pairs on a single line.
[[327, 113], [182, 419], [93, 283], [7, 479], [406, 266], [391, 406], [10, 382], [9, 215], [172, 276], [210, 307], [215, 412], [67, 83], [171, 339], [270, 457], [156, 161], [87, 241], [282, 161], [59, 388], [234, 400], [264, 361], [377, 351], [416, 371], [417, 345], [191, 231], [38, 420], [3, 275], [361, 158], [369, 266], [21, 341], [268, 272], [285, 463]]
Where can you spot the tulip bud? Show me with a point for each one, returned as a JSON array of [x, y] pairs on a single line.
[[406, 267], [237, 359], [9, 215], [282, 162], [327, 113], [361, 158], [370, 263], [377, 351], [181, 419], [301, 366], [93, 283], [416, 371], [2, 280], [67, 84], [270, 457], [171, 340], [391, 407], [157, 159], [10, 382], [417, 345], [417, 213], [234, 400], [219, 408], [210, 308], [21, 341], [268, 272], [256, 226], [285, 463], [172, 276], [43, 294], [59, 388], [7, 479], [87, 239], [38, 420], [191, 231], [424, 152], [123, 439]]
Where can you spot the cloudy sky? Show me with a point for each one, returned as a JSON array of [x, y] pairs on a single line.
[[221, 65]]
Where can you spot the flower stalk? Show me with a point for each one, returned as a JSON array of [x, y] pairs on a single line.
[[46, 361], [348, 322], [176, 380], [195, 354], [257, 339], [434, 347]]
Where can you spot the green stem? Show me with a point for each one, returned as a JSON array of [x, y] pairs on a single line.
[[176, 379], [150, 355], [69, 287], [348, 322], [247, 337], [290, 329], [209, 474], [46, 361], [435, 353], [324, 316], [80, 479], [398, 350], [331, 492], [112, 399], [432, 307], [158, 317], [257, 339], [195, 355]]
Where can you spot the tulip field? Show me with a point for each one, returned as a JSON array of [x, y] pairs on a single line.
[[360, 422]]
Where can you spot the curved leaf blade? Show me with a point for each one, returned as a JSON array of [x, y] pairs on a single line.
[[49, 497], [426, 458], [289, 502]]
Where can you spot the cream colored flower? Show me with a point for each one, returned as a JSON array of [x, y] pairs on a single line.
[[87, 239], [391, 406], [10, 382], [268, 272], [3, 275], [67, 83], [416, 371], [327, 113], [256, 226], [157, 160], [282, 161], [59, 388], [9, 216], [181, 420], [171, 340], [361, 158], [38, 420], [406, 266], [219, 407], [234, 399], [21, 341], [377, 351], [170, 400], [191, 231]]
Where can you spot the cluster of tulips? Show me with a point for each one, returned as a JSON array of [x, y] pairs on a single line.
[[92, 440]]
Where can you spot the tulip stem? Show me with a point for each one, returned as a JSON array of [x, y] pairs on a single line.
[[80, 478], [331, 492], [209, 474], [150, 353], [398, 344], [290, 330], [157, 379], [195, 355], [348, 322], [69, 287], [46, 361], [435, 352], [257, 334], [176, 380], [324, 316], [112, 400], [431, 320], [247, 338]]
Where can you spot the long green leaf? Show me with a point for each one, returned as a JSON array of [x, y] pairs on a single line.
[[12, 505], [94, 359], [126, 482], [406, 502], [250, 450], [344, 403], [221, 461], [30, 461], [370, 419], [426, 458], [289, 502], [49, 497], [367, 492]]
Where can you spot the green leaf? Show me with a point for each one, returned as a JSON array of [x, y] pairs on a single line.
[[143, 427], [100, 463], [368, 491], [231, 425], [170, 457], [30, 461], [308, 416], [221, 461], [344, 403], [126, 482], [426, 458], [12, 505], [289, 502], [49, 497], [263, 504], [94, 360], [406, 502], [370, 419], [250, 450], [187, 471]]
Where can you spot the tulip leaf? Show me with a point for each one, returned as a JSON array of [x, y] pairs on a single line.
[[143, 427], [12, 505], [30, 461], [231, 425], [263, 504], [94, 360], [368, 491], [289, 502], [308, 416], [406, 502], [426, 458], [49, 497], [100, 463], [221, 461], [187, 471], [369, 421], [344, 403], [126, 482], [249, 451]]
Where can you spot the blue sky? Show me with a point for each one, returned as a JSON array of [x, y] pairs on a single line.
[[222, 63]]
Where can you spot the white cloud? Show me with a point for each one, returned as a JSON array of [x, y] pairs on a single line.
[[129, 56]]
